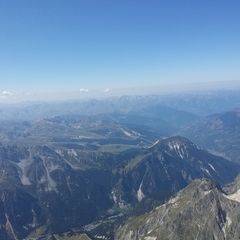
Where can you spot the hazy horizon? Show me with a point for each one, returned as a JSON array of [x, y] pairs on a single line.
[[7, 96]]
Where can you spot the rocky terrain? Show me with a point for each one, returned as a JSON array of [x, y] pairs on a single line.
[[200, 211], [55, 189]]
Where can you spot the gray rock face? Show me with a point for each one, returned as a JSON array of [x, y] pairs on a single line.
[[201, 211]]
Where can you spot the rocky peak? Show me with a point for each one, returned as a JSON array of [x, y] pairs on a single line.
[[200, 211], [177, 146]]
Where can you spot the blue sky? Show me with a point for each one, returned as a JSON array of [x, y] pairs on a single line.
[[66, 45]]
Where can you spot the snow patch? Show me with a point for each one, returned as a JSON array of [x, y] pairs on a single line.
[[72, 153], [229, 221], [128, 134], [53, 167], [51, 184], [150, 238], [9, 228], [207, 192], [174, 200], [179, 149], [24, 165], [206, 170], [211, 166], [60, 152], [100, 237], [140, 194], [235, 196], [72, 165], [226, 225], [114, 196], [154, 144], [34, 219], [118, 200]]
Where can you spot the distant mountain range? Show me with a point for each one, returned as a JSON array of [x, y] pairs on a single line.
[[219, 133], [145, 125], [198, 103]]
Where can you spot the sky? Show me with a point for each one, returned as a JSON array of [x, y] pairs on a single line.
[[79, 47]]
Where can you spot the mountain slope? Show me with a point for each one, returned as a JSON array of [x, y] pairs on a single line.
[[69, 187], [49, 190], [166, 167], [200, 211]]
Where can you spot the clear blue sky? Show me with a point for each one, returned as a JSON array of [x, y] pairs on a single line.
[[73, 44]]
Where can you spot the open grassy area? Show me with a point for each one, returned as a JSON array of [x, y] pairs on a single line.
[[116, 148]]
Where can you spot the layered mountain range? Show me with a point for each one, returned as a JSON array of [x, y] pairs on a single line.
[[117, 174], [219, 133], [54, 189]]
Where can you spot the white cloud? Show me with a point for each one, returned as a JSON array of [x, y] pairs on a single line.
[[107, 90], [86, 90], [6, 93]]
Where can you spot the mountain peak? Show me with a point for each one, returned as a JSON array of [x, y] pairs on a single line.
[[178, 140], [177, 146], [200, 187], [173, 141]]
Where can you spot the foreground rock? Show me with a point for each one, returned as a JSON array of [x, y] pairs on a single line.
[[201, 211]]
